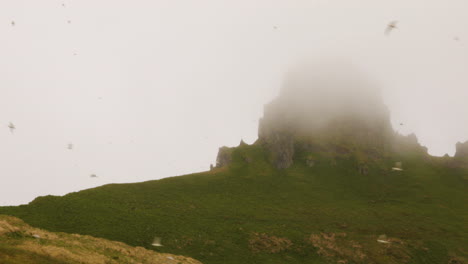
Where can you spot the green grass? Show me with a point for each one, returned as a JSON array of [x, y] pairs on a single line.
[[211, 216], [23, 244]]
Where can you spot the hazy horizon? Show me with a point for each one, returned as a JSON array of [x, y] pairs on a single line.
[[152, 89]]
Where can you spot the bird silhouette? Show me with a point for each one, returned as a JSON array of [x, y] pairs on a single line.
[[70, 146], [93, 176], [390, 27], [12, 127], [157, 242], [13, 23]]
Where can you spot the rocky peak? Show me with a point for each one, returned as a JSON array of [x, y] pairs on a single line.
[[461, 150], [326, 104], [224, 157]]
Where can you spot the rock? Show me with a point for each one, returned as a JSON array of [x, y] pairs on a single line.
[[224, 157], [461, 150], [281, 148], [247, 159], [242, 143], [211, 167], [461, 155], [317, 109], [363, 169]]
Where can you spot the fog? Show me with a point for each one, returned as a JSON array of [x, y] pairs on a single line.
[[316, 92], [150, 89]]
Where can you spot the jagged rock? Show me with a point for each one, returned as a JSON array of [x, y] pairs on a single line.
[[409, 143], [461, 150], [211, 167], [224, 157], [363, 169], [461, 155], [317, 109], [281, 148]]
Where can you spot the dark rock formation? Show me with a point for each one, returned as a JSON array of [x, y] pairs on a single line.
[[327, 110], [280, 144], [242, 143], [363, 169], [224, 157], [315, 108], [461, 150]]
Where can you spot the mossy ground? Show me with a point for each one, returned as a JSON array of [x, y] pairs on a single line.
[[327, 213], [23, 244]]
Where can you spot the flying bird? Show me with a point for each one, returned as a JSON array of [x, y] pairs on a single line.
[[401, 124], [12, 127], [13, 23], [391, 26], [70, 146], [93, 176], [157, 242]]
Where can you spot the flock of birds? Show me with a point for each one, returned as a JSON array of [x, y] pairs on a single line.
[[389, 29], [12, 128]]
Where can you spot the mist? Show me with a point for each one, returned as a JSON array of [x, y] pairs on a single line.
[[152, 89], [317, 92]]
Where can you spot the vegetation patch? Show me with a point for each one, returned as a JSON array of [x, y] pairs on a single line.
[[261, 242], [337, 246], [20, 243]]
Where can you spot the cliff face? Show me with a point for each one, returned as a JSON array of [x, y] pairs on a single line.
[[461, 155], [461, 150], [325, 106], [224, 157]]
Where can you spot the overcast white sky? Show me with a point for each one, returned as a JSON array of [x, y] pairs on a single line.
[[147, 89]]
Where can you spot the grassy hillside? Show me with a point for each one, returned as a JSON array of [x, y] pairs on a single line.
[[20, 244], [250, 212]]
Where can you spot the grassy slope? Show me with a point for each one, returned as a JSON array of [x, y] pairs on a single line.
[[218, 216], [20, 244]]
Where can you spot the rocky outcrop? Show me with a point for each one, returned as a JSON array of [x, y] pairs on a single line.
[[461, 155], [281, 148], [224, 157], [335, 114], [363, 169], [461, 151]]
